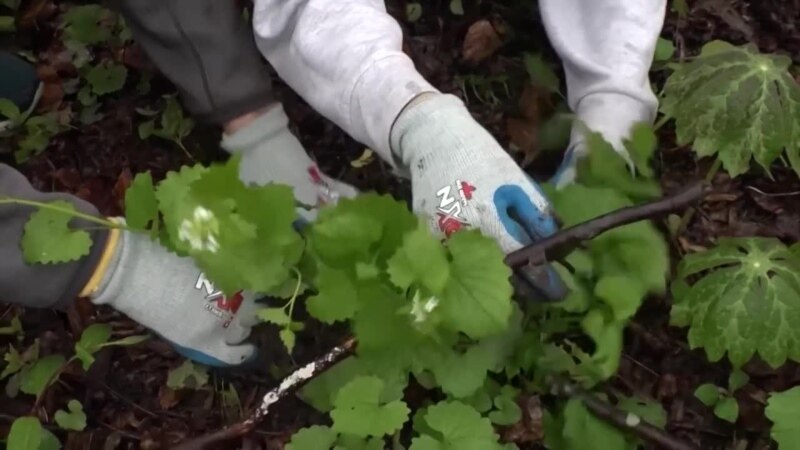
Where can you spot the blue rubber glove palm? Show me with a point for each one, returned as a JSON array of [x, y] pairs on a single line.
[[462, 178]]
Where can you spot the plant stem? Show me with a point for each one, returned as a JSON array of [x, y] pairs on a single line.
[[89, 218], [687, 216], [661, 122], [296, 291]]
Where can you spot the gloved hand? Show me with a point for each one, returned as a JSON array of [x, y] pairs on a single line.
[[272, 154], [461, 178], [169, 295]]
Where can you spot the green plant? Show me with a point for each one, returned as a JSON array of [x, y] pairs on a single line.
[[173, 126], [738, 104], [782, 409], [188, 376], [725, 405], [27, 433], [744, 299]]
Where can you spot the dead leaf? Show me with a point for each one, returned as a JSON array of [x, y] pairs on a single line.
[[481, 41], [523, 138], [167, 398], [124, 180], [535, 104], [531, 428]]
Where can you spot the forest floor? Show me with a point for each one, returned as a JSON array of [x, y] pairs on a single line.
[[124, 393]]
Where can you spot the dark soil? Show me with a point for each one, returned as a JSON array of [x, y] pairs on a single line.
[[124, 394]]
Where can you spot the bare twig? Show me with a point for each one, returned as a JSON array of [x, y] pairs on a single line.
[[562, 242], [623, 420], [288, 386]]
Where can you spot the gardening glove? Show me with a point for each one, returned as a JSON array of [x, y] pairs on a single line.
[[272, 154], [169, 295], [462, 178]]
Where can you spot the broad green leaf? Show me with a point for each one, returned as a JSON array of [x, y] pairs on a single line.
[[349, 442], [41, 374], [477, 297], [92, 339], [783, 409], [582, 427], [9, 110], [26, 433], [275, 316], [604, 167], [288, 338], [187, 376], [106, 78], [312, 438], [420, 259], [360, 412], [141, 205], [85, 24], [622, 294], [640, 146], [607, 336], [748, 302], [665, 49], [337, 298], [708, 394], [727, 409], [507, 412], [540, 72], [738, 104], [49, 239], [458, 427], [73, 419]]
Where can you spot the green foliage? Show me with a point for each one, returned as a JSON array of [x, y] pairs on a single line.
[[87, 24], [580, 427], [749, 303], [41, 374], [49, 239], [13, 329], [541, 73], [312, 438], [783, 409], [96, 337], [358, 409], [72, 419], [665, 50], [738, 104], [35, 135], [187, 376], [456, 426], [723, 402], [106, 78], [27, 433], [173, 125]]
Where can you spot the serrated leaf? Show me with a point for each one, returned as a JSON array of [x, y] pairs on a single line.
[[581, 426], [783, 409], [188, 375], [458, 427], [84, 24], [38, 377], [359, 411], [748, 303], [708, 394], [92, 339], [605, 167], [406, 266], [337, 298], [49, 239], [507, 412], [477, 297], [736, 103], [73, 419], [106, 78], [141, 205], [727, 409], [540, 72], [312, 438]]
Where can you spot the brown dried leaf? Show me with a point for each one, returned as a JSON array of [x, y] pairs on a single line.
[[481, 41], [523, 137], [167, 398], [531, 428]]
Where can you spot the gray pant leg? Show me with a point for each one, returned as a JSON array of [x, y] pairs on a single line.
[[207, 49], [39, 285]]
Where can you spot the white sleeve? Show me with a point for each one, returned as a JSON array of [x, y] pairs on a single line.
[[607, 48], [344, 58]]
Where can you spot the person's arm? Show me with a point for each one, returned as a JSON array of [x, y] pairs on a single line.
[[39, 285], [606, 47]]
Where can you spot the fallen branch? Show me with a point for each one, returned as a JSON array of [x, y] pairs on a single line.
[[557, 245], [623, 420], [537, 253]]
